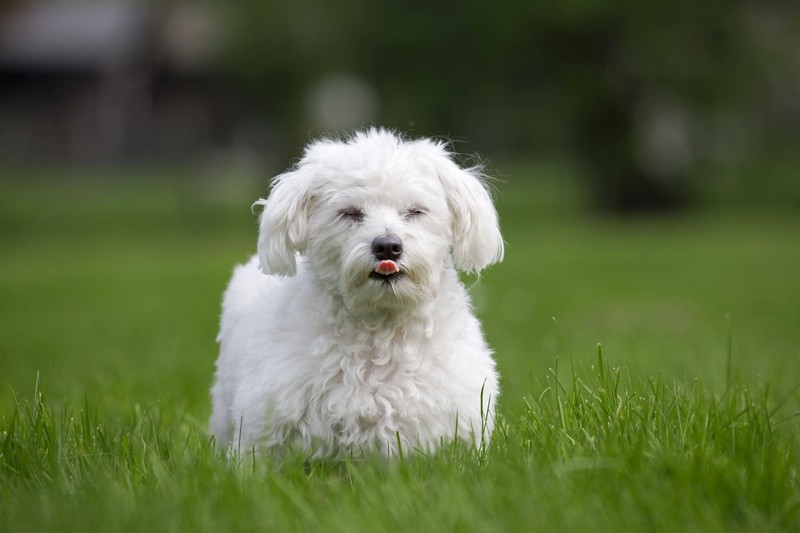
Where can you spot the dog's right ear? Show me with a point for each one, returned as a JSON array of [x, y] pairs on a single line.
[[283, 229]]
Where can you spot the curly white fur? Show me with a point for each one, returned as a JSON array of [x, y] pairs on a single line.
[[319, 348]]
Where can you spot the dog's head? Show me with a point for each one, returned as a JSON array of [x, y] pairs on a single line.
[[378, 218]]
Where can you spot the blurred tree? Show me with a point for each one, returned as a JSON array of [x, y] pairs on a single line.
[[632, 88]]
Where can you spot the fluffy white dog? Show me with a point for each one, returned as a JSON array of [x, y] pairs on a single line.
[[350, 330]]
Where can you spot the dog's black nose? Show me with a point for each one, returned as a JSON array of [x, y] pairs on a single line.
[[387, 247]]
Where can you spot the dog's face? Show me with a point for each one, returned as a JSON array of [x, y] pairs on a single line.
[[379, 236], [378, 219]]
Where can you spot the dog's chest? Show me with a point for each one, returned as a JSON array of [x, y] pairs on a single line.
[[380, 384]]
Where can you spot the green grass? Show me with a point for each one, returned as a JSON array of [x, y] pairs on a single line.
[[109, 298]]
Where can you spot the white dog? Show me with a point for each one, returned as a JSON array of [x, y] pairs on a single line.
[[355, 333]]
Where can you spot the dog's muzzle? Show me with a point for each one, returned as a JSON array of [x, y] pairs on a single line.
[[387, 249]]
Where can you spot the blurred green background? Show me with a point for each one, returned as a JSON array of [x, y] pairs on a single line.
[[646, 154]]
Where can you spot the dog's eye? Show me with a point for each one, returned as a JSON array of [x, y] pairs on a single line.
[[415, 212], [352, 214]]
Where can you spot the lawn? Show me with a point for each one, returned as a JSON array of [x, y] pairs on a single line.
[[683, 418]]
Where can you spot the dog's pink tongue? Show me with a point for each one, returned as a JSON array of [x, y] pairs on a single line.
[[387, 267]]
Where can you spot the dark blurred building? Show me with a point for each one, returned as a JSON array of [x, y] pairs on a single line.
[[85, 82]]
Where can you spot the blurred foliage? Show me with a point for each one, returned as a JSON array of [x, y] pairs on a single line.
[[647, 95]]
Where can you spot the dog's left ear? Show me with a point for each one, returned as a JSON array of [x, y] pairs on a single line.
[[477, 242], [283, 229]]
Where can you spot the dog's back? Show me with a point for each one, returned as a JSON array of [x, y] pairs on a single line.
[[245, 291]]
